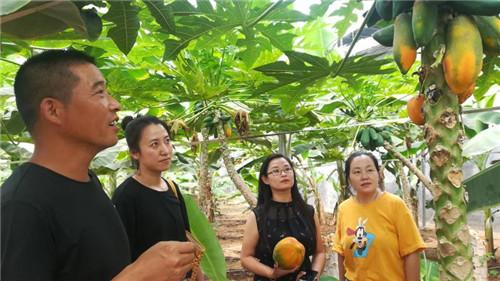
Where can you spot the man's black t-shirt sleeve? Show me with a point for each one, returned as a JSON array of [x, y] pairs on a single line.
[[27, 245]]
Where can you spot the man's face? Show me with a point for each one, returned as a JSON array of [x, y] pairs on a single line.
[[90, 116]]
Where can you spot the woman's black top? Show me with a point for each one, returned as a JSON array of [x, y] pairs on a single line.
[[279, 221], [150, 216]]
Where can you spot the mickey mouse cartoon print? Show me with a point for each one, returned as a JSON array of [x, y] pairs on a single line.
[[362, 239]]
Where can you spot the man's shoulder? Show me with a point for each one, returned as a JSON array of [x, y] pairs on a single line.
[[22, 178]]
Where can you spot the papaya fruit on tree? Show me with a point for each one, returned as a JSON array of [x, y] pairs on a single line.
[[463, 58], [476, 7], [404, 48], [462, 97], [384, 9], [415, 109], [489, 28], [384, 36], [424, 20], [373, 19], [289, 253], [400, 6]]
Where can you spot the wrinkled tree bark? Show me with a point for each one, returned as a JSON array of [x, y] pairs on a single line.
[[231, 170], [443, 136], [207, 205]]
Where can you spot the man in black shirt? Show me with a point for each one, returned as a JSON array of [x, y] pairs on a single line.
[[56, 221]]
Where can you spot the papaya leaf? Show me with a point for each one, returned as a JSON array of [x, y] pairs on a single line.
[[213, 263], [93, 23], [15, 125], [51, 18], [347, 11], [125, 17], [319, 10], [488, 117], [483, 142], [163, 15], [365, 64], [489, 77], [10, 6], [276, 35]]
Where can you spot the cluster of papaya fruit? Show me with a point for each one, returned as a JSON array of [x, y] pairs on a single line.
[[472, 27], [373, 137], [211, 122]]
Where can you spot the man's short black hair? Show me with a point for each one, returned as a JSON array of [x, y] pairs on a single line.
[[47, 74]]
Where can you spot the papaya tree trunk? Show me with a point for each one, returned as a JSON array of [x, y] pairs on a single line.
[[205, 181], [317, 200], [344, 191], [407, 192], [443, 137], [231, 170]]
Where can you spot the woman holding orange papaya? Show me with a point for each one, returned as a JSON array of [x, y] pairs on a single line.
[[281, 212], [376, 237]]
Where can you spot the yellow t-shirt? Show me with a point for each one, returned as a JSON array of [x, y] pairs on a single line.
[[374, 238]]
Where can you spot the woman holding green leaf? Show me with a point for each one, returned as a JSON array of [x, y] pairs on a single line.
[[152, 208]]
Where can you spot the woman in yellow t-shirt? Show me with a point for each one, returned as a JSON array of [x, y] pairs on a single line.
[[376, 237]]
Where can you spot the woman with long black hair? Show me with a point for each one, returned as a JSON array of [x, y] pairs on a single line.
[[281, 212], [151, 207]]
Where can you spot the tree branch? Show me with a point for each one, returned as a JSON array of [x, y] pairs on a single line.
[[425, 180]]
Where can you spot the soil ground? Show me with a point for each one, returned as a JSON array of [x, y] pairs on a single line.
[[230, 223]]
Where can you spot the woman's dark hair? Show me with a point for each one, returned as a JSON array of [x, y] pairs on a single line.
[[134, 127], [265, 194], [355, 154]]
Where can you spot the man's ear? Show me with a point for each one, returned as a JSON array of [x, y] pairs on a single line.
[[51, 109]]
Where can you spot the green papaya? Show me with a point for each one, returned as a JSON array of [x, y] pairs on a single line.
[[400, 6], [384, 36], [379, 140], [476, 7], [373, 19], [384, 9], [365, 138], [489, 28], [404, 48], [424, 21], [358, 135]]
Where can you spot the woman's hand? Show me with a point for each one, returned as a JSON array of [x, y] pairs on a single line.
[[279, 272]]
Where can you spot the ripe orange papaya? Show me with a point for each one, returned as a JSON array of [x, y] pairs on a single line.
[[424, 21], [289, 253], [404, 48], [462, 97], [415, 108], [463, 58], [489, 28]]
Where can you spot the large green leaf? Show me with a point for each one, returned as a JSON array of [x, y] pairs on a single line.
[[489, 78], [125, 17], [163, 15], [483, 142], [348, 14], [15, 125], [52, 17], [213, 262], [9, 6]]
